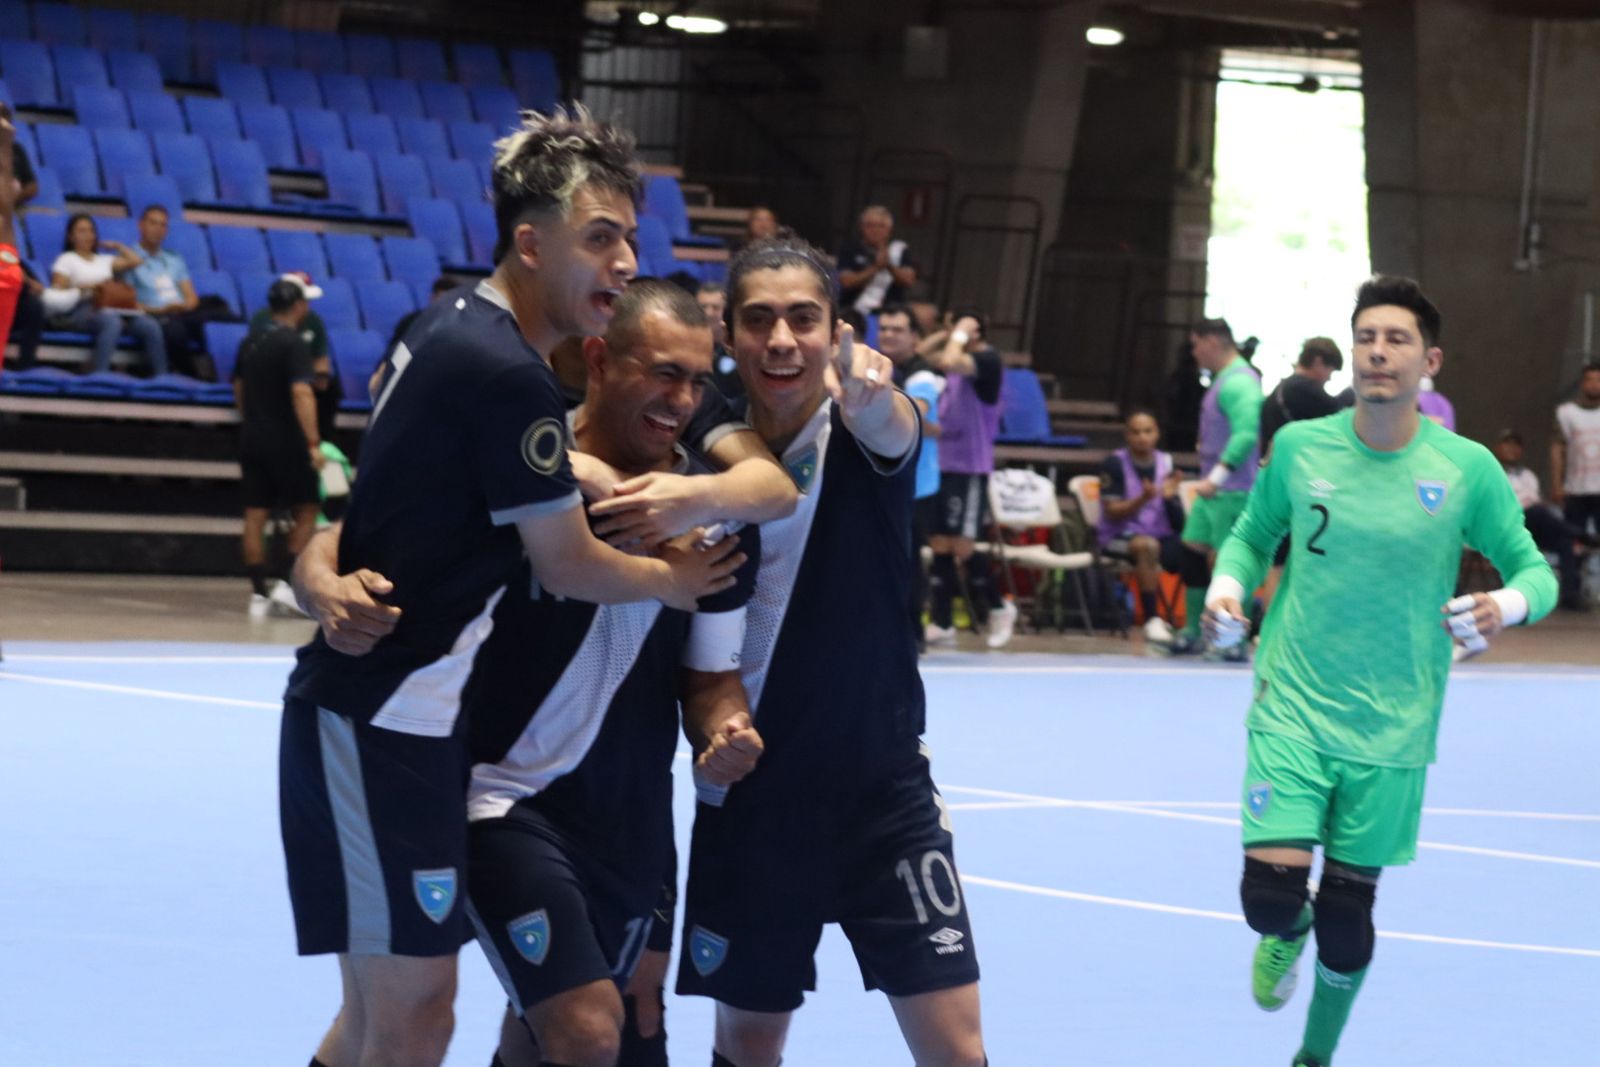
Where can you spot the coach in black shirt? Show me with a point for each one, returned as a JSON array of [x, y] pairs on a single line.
[[1303, 394]]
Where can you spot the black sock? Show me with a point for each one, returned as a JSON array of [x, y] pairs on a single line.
[[638, 1050], [1147, 603], [941, 591], [318, 1063], [980, 584], [258, 585]]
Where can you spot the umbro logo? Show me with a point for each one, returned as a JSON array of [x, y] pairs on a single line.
[[948, 941], [1321, 487]]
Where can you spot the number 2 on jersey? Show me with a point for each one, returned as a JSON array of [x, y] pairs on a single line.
[[1311, 545]]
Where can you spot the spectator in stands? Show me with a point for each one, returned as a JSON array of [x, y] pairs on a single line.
[[763, 222], [897, 339], [84, 279], [969, 419], [279, 443], [1575, 454], [162, 285], [1303, 394], [875, 269], [1549, 531], [1434, 405], [1141, 514], [713, 300]]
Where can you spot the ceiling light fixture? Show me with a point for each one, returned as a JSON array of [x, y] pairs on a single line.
[[1105, 36], [696, 24]]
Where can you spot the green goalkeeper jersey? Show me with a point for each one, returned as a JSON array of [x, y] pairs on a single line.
[[1353, 658]]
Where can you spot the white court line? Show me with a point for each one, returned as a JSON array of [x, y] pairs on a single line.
[[1471, 673], [1217, 820], [1173, 909], [52, 657], [130, 690], [1233, 805]]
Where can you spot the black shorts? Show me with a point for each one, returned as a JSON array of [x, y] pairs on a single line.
[[549, 915], [963, 505], [764, 879], [279, 478], [661, 920], [374, 836]]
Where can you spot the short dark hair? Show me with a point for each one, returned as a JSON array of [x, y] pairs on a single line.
[[149, 208], [72, 222], [1589, 368], [712, 287], [548, 158], [959, 313], [442, 284], [1511, 435], [782, 249], [1214, 328], [1321, 350], [1382, 290], [642, 296], [283, 295], [900, 309], [1140, 409]]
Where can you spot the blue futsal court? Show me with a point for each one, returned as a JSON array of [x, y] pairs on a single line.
[[146, 922]]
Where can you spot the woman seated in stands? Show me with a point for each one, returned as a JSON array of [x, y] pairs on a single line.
[[82, 299], [1141, 514]]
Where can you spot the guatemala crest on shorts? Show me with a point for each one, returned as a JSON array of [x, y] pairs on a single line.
[[1257, 798], [707, 950], [530, 935], [435, 892], [1431, 496]]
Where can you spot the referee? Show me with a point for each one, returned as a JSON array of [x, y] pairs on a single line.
[[280, 450]]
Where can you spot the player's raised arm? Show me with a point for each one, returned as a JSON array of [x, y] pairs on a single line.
[[861, 381]]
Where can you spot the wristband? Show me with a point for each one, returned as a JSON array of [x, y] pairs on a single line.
[[960, 337], [1219, 474]]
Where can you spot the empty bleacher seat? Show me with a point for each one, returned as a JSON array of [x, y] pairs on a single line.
[[100, 108], [456, 180], [269, 46], [496, 107], [372, 134], [217, 283], [422, 137], [357, 354], [351, 180], [253, 288], [30, 73], [355, 256], [533, 76], [240, 250], [16, 21], [422, 290], [400, 177], [297, 250], [118, 228], [439, 222], [318, 132], [445, 101], [139, 191], [384, 304], [111, 28], [134, 72], [320, 51], [412, 260], [189, 241], [370, 55], [212, 118], [337, 305], [396, 98], [268, 126], [471, 140], [49, 197], [186, 159], [47, 236], [347, 94], [79, 67], [482, 233], [243, 83], [241, 174], [55, 24], [477, 64], [5, 95], [293, 88], [215, 42], [70, 152], [222, 341], [420, 58], [166, 38], [1024, 412], [155, 112], [663, 198]]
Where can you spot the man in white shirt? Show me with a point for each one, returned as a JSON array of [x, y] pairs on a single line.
[[1575, 454], [1550, 532]]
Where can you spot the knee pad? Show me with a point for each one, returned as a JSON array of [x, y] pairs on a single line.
[[1194, 569], [1273, 895], [1345, 934]]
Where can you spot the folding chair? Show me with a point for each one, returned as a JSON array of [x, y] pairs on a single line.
[[1023, 501], [1085, 489]]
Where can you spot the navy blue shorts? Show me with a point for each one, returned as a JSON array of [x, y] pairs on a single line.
[[374, 836], [549, 915], [661, 920], [765, 877]]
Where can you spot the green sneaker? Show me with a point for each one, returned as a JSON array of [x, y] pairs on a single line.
[[1276, 970], [1302, 1060]]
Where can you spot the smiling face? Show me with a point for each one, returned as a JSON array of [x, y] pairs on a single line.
[[642, 398], [583, 260], [783, 339], [1390, 356], [876, 228]]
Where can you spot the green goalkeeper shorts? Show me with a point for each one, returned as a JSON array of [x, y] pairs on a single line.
[[1210, 520], [1362, 814]]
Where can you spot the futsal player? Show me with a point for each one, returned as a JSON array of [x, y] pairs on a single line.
[[1350, 676], [840, 822], [463, 470]]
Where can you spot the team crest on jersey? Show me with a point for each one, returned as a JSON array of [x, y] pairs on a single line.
[[8, 256], [435, 892], [1258, 798], [803, 468], [543, 445], [530, 935], [707, 951], [1431, 496]]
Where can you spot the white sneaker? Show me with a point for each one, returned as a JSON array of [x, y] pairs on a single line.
[[944, 636], [1002, 621], [282, 597], [260, 606], [1156, 631]]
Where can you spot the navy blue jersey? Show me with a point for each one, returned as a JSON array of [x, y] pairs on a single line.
[[573, 710], [467, 438]]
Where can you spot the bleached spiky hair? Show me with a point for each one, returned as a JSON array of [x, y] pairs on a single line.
[[545, 161]]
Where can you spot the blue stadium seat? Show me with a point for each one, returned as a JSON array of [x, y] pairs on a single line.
[[396, 98], [79, 67], [36, 381], [26, 139], [166, 38], [111, 28], [139, 191], [656, 258], [422, 290], [100, 109], [297, 250], [47, 236], [320, 51], [240, 250], [211, 118], [269, 46], [118, 228], [318, 131], [412, 260], [189, 241], [663, 198], [215, 42], [351, 180], [496, 107], [268, 126], [222, 341], [370, 55], [253, 288], [70, 152], [134, 72], [5, 95], [384, 304], [49, 197], [100, 385], [337, 306], [30, 73], [372, 134], [16, 21], [440, 223], [242, 83], [355, 257], [346, 93], [478, 220], [357, 353], [292, 87], [471, 141], [241, 174], [533, 76], [478, 64], [217, 283], [400, 177], [422, 137], [186, 159], [421, 58], [1024, 413], [155, 113], [445, 101], [55, 24], [457, 180]]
